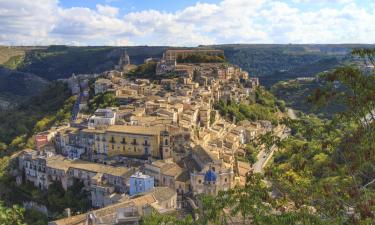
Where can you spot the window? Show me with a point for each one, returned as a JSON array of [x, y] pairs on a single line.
[[166, 141], [199, 181], [225, 179]]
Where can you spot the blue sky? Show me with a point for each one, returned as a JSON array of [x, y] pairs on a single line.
[[174, 5], [135, 5], [185, 22]]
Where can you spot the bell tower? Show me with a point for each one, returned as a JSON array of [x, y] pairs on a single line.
[[165, 145]]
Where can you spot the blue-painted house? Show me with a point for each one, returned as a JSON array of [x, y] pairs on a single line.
[[140, 183]]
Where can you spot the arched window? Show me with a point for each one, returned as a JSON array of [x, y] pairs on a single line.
[[166, 141]]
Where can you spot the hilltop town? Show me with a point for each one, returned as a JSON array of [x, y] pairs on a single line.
[[151, 143]]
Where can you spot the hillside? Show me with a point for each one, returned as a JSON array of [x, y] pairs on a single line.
[[7, 53], [20, 121], [58, 62], [15, 86], [295, 93], [273, 63]]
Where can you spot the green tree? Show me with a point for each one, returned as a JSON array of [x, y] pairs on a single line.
[[13, 215]]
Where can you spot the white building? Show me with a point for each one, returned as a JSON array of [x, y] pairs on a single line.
[[102, 118]]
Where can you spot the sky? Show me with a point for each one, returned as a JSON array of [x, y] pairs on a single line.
[[185, 22]]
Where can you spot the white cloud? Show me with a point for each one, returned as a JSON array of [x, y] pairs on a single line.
[[323, 1], [230, 21], [107, 10]]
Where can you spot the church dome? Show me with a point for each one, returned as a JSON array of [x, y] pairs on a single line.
[[210, 176]]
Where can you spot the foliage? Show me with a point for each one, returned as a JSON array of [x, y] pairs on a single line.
[[157, 219], [35, 217], [329, 165], [13, 215], [274, 63], [251, 153], [102, 101], [17, 86], [14, 61], [34, 115], [268, 140], [201, 58], [75, 198], [57, 62], [250, 204], [146, 70], [242, 111], [296, 93], [264, 97], [358, 95]]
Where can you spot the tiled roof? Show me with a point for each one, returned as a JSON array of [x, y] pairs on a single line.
[[155, 130], [62, 163]]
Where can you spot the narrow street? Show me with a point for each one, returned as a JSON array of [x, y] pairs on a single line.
[[264, 157]]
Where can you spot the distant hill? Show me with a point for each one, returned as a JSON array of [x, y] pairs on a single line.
[[295, 93], [273, 63], [16, 86], [58, 62]]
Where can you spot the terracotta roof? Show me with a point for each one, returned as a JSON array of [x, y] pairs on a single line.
[[62, 163], [155, 130], [73, 220], [173, 170]]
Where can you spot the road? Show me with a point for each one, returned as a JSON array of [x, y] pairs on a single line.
[[263, 156]]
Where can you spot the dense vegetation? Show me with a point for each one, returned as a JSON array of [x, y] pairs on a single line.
[[102, 101], [263, 108], [296, 94], [40, 112], [273, 63], [146, 70], [201, 58], [61, 62], [17, 87], [56, 62]]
